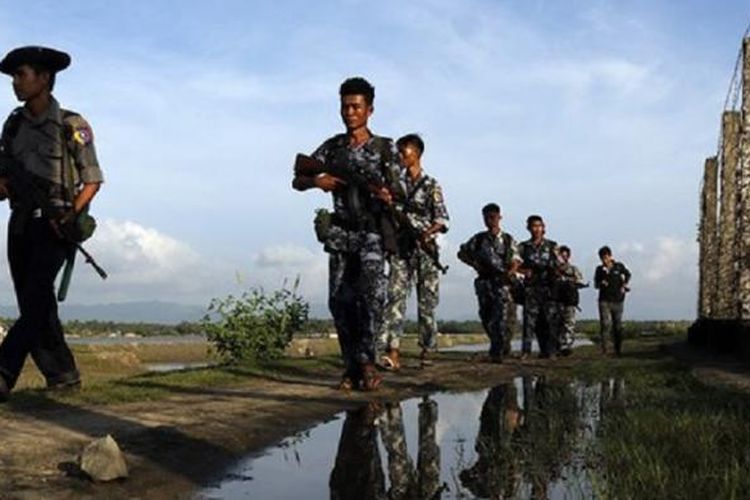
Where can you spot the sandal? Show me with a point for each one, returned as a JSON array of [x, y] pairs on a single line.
[[371, 379], [390, 361]]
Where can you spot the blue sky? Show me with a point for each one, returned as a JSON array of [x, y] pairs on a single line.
[[596, 114]]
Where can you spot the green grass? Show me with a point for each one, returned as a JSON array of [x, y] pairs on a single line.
[[670, 436]]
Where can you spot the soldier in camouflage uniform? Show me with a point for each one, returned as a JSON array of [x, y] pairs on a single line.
[[424, 208], [540, 264], [569, 281], [355, 241], [494, 255], [56, 147]]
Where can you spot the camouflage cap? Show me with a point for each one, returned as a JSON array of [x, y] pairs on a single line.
[[52, 59]]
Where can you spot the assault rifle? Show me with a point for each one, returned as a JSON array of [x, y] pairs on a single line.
[[413, 236], [26, 190], [308, 166]]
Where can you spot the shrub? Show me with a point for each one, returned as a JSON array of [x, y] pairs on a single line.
[[256, 326]]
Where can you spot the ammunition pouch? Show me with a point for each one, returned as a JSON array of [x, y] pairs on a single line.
[[85, 225], [322, 223]]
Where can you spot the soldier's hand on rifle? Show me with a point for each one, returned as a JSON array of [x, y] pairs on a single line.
[[64, 225], [426, 237], [383, 194], [328, 182]]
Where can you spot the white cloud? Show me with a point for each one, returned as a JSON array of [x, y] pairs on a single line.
[[285, 257]]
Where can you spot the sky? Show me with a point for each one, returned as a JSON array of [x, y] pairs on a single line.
[[596, 114]]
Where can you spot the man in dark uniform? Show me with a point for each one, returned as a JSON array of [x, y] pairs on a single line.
[[355, 241], [612, 280], [540, 263], [494, 255], [56, 146]]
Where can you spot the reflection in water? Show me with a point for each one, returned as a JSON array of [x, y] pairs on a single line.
[[525, 439], [358, 472]]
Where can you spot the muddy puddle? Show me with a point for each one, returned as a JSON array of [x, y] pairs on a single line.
[[525, 439]]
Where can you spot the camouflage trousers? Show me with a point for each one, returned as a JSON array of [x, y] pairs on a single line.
[[566, 333], [492, 299], [540, 319], [405, 482], [404, 274], [511, 321], [356, 296]]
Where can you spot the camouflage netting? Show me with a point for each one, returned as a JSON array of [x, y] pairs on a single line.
[[727, 304], [708, 241]]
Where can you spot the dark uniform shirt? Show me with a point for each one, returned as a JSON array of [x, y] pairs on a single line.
[[611, 282], [541, 260], [39, 142], [354, 207], [491, 254]]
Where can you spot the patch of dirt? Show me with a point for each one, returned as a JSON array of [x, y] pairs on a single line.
[[178, 444]]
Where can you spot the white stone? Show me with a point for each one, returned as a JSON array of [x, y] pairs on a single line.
[[103, 460]]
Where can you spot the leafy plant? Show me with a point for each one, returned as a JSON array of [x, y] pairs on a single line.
[[256, 326]]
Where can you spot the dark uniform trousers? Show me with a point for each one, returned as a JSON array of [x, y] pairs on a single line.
[[492, 305], [36, 254], [357, 292]]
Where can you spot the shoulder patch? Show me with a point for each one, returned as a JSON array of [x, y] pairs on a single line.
[[79, 129], [437, 194]]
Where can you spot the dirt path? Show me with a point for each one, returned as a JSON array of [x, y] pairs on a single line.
[[177, 444]]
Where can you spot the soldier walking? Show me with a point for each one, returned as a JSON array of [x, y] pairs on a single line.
[[55, 148], [356, 238], [539, 267], [424, 215], [494, 255], [569, 282]]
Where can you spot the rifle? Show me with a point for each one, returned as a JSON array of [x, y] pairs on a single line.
[[355, 180], [26, 190], [414, 237], [308, 166]]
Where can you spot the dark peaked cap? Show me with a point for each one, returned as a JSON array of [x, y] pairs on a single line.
[[51, 59]]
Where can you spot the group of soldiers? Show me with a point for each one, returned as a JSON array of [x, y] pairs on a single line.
[[387, 213]]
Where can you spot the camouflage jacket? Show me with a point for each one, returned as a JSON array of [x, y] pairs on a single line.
[[491, 255], [571, 273], [424, 204], [354, 207], [541, 260]]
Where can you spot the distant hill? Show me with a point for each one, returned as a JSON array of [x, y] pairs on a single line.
[[145, 312]]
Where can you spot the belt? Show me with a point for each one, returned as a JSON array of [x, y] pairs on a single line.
[[32, 213]]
